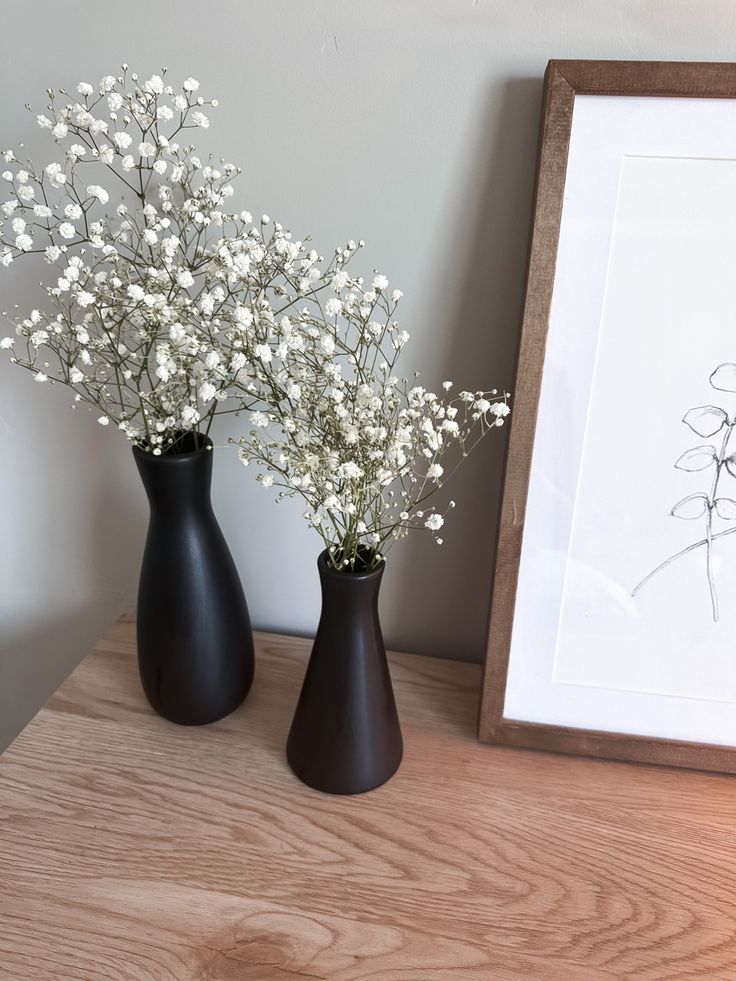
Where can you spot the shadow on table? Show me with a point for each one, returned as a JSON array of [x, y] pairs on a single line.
[[34, 662]]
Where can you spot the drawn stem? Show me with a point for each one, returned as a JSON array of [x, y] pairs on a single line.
[[709, 522], [679, 555], [709, 561]]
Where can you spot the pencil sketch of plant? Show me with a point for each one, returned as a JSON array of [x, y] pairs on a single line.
[[707, 421]]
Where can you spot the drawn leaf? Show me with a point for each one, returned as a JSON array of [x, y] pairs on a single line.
[[690, 507], [731, 465], [698, 458], [726, 508], [706, 420], [724, 378]]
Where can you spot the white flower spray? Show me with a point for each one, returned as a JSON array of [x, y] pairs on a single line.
[[146, 262], [337, 425], [166, 309]]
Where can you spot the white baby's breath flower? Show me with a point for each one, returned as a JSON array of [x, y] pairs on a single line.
[[199, 119], [104, 421], [95, 191], [154, 85], [97, 127], [67, 230], [55, 174], [6, 343], [190, 85], [84, 88], [122, 140]]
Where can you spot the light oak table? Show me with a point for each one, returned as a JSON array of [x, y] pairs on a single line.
[[133, 849]]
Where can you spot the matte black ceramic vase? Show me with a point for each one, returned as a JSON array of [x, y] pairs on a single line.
[[345, 737], [195, 644]]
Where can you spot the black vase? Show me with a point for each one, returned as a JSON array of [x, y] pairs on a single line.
[[195, 644], [346, 737]]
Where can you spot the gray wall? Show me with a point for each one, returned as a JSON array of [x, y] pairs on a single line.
[[408, 123]]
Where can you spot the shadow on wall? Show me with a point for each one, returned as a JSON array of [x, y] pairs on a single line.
[[72, 524], [483, 318]]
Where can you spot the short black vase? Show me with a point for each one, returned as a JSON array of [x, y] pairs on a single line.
[[195, 643], [346, 737]]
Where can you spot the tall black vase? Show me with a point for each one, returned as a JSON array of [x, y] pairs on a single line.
[[345, 737], [195, 644]]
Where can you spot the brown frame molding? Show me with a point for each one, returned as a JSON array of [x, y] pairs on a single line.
[[563, 81]]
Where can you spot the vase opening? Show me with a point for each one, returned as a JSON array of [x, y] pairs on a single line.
[[363, 560], [187, 441]]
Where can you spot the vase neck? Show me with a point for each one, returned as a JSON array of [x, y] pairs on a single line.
[[177, 482], [355, 594]]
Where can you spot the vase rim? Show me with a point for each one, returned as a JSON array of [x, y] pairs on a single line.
[[207, 447], [325, 569]]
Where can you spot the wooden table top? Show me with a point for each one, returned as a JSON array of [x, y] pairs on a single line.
[[134, 849]]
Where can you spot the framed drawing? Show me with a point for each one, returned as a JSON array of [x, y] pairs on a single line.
[[613, 622]]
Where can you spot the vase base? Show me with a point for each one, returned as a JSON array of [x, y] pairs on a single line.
[[328, 783], [187, 712], [196, 720]]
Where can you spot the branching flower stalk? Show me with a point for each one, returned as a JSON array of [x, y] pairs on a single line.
[[361, 445], [146, 265]]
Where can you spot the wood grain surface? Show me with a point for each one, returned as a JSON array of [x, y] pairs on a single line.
[[134, 849]]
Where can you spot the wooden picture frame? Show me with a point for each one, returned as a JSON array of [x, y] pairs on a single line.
[[565, 81]]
